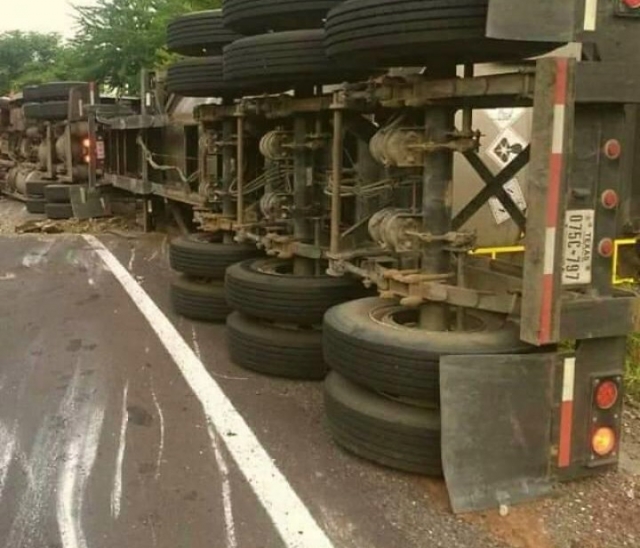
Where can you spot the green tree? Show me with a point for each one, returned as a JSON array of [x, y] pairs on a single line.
[[31, 58], [118, 38]]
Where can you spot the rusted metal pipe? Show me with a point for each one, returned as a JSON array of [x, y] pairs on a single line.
[[240, 169], [336, 181]]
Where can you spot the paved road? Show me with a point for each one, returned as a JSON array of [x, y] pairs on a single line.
[[103, 442]]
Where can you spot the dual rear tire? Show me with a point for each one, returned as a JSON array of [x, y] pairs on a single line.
[[382, 398], [276, 329], [199, 293]]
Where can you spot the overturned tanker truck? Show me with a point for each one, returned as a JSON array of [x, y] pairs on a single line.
[[45, 150], [338, 201]]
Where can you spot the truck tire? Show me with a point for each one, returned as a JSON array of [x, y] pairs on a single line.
[[260, 16], [199, 34], [36, 188], [52, 111], [196, 255], [272, 350], [52, 91], [267, 289], [200, 77], [199, 300], [417, 32], [35, 205], [58, 194], [58, 211], [283, 60], [381, 430], [31, 111], [368, 342]]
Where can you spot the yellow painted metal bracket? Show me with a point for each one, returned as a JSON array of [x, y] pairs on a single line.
[[494, 252]]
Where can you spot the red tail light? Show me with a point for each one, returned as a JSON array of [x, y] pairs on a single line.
[[606, 394]]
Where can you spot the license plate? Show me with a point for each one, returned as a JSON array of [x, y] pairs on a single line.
[[578, 247]]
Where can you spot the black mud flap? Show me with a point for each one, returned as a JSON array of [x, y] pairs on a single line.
[[496, 428], [89, 203], [538, 20]]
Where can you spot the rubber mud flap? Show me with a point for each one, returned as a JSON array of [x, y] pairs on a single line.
[[497, 414]]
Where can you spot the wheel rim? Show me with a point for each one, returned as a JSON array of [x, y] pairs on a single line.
[[396, 316], [278, 267]]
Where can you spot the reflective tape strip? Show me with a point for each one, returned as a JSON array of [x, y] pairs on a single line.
[[557, 144], [568, 379], [566, 412], [546, 309], [556, 167], [590, 15], [549, 250]]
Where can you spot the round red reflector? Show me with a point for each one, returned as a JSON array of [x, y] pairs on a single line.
[[633, 4], [609, 199], [606, 394], [613, 148], [603, 441], [605, 247]]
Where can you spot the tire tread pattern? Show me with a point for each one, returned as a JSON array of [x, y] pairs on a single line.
[[199, 34], [417, 32], [273, 350], [383, 431], [199, 300], [195, 256], [261, 16], [301, 300]]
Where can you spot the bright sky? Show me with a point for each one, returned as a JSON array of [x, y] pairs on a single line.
[[39, 15]]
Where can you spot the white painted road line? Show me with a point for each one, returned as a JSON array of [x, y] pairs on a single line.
[[227, 503], [229, 522], [116, 492], [290, 516]]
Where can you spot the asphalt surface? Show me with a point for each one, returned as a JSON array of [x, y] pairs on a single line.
[[103, 443]]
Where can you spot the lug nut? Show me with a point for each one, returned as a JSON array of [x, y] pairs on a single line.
[[613, 148], [609, 199], [605, 247]]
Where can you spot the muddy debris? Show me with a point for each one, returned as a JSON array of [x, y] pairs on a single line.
[[76, 226]]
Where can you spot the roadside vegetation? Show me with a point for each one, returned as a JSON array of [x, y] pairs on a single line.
[[113, 41], [632, 380]]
